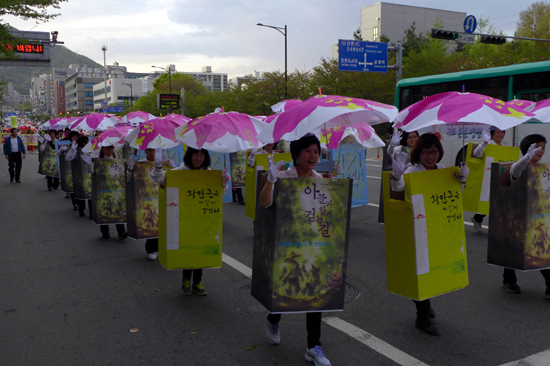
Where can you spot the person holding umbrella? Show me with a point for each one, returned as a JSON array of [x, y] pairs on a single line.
[[305, 155], [193, 159], [425, 155]]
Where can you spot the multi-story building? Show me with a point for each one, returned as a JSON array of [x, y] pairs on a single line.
[[392, 20], [130, 87], [211, 81], [41, 95], [59, 77]]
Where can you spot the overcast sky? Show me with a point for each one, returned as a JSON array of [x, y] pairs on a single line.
[[223, 34]]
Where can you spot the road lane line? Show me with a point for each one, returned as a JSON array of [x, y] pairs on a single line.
[[378, 166], [368, 176], [372, 342], [367, 339], [538, 359]]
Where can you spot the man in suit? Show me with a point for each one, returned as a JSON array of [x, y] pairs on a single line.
[[14, 150]]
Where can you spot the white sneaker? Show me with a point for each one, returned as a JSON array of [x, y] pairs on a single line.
[[316, 356], [477, 225], [272, 333], [153, 256]]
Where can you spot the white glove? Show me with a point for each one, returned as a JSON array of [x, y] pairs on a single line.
[[337, 169], [39, 138], [73, 145], [63, 148], [486, 136], [398, 164], [463, 171], [517, 167], [396, 138], [132, 162], [251, 157], [225, 176], [159, 157], [47, 137], [170, 163], [87, 159], [43, 146], [273, 170]]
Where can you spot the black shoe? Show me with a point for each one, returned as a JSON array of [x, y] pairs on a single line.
[[82, 214], [426, 325], [511, 287], [49, 188], [123, 236], [11, 181], [241, 203], [55, 188], [18, 181], [431, 312], [106, 236], [75, 208]]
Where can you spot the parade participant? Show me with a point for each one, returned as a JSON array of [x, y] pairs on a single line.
[[14, 150], [71, 155], [425, 155], [192, 160], [402, 141], [268, 149], [305, 156], [151, 245], [493, 136], [107, 152], [532, 147], [52, 181], [73, 136]]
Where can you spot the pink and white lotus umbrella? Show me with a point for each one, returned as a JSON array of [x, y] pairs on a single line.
[[325, 112], [156, 133], [453, 107], [64, 122], [222, 132], [95, 122], [137, 118], [113, 137], [285, 105], [541, 110], [363, 134]]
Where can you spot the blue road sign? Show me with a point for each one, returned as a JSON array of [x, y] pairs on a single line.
[[362, 56], [470, 24]]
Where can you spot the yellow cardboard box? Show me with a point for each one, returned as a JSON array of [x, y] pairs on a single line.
[[425, 241], [190, 219]]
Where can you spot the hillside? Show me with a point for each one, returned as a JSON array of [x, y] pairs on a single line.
[[61, 56]]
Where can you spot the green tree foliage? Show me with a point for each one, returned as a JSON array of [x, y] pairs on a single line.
[[537, 13], [413, 41], [34, 10], [357, 35]]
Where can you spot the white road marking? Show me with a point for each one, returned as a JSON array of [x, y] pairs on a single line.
[[378, 166], [367, 339], [368, 176], [374, 343], [538, 359]]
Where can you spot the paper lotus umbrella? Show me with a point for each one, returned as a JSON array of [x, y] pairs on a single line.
[[541, 110], [285, 105], [222, 132], [325, 112], [137, 118], [95, 122], [64, 122], [113, 137], [453, 107], [363, 134], [156, 133]]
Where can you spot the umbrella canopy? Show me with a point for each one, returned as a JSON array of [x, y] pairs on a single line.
[[156, 133], [95, 122], [137, 118], [541, 110], [363, 134], [64, 123], [453, 107], [113, 137], [325, 112], [285, 105], [222, 132]]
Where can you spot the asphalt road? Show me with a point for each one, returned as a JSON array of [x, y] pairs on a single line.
[[69, 297]]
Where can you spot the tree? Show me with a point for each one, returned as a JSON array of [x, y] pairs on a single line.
[[36, 10], [533, 22], [357, 35], [413, 42]]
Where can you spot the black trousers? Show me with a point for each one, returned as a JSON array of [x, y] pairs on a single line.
[[197, 275], [238, 194], [313, 327], [119, 228], [152, 245], [479, 217], [509, 276], [53, 182], [422, 308], [14, 165], [82, 206]]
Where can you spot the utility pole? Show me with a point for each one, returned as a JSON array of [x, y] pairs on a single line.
[[104, 49], [182, 101]]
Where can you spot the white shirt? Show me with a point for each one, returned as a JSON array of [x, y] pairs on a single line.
[[293, 173], [14, 144]]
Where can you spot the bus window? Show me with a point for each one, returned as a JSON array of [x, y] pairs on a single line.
[[532, 86]]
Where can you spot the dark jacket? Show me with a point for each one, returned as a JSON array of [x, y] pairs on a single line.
[[7, 146]]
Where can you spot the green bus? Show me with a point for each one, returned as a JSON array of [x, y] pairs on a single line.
[[529, 81]]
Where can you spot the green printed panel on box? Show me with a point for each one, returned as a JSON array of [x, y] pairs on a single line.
[[109, 191], [142, 202]]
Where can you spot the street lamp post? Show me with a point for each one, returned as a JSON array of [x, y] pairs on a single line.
[[280, 30], [104, 49], [169, 75], [131, 94]]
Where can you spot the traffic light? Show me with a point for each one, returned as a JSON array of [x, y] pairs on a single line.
[[493, 39], [443, 34]]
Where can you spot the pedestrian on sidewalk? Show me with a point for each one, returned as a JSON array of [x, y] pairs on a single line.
[[14, 150]]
